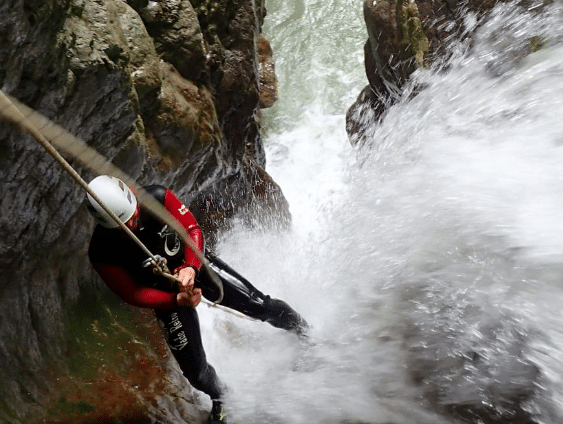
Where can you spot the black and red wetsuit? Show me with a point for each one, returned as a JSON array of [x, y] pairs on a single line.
[[119, 261]]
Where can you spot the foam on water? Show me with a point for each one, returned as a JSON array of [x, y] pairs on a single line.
[[444, 238]]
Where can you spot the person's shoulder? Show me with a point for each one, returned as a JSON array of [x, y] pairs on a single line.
[[101, 239], [157, 191]]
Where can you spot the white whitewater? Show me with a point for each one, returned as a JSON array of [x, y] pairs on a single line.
[[443, 240]]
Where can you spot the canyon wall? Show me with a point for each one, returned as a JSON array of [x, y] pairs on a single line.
[[170, 92]]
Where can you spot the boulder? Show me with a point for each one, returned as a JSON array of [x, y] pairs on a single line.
[[268, 78], [405, 35]]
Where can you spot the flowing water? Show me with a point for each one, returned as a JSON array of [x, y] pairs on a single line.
[[429, 263]]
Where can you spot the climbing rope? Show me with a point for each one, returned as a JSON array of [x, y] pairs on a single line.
[[48, 135]]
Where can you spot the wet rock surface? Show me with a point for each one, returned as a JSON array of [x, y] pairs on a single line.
[[170, 92], [403, 36]]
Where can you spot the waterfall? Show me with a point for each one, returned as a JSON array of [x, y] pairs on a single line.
[[429, 263]]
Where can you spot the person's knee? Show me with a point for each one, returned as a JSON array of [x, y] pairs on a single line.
[[197, 377], [279, 314], [206, 380]]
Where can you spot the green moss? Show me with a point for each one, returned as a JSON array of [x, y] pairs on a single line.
[[414, 42], [105, 359], [536, 43], [63, 406], [7, 412], [97, 327]]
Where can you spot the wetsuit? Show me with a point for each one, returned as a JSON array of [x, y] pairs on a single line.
[[119, 261]]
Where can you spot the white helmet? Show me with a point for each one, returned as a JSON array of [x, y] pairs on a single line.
[[115, 195]]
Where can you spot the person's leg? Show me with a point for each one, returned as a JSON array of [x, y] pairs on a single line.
[[181, 329], [242, 296]]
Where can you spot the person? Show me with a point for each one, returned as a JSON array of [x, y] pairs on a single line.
[[119, 262]]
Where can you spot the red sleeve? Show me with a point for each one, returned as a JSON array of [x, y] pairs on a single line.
[[123, 284], [188, 221]]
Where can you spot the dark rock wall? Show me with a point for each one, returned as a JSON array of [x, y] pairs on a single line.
[[169, 91], [404, 35]]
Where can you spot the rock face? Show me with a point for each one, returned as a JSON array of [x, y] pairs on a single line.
[[170, 91], [404, 35]]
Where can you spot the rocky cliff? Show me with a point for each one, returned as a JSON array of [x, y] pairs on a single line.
[[169, 91], [405, 35]]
